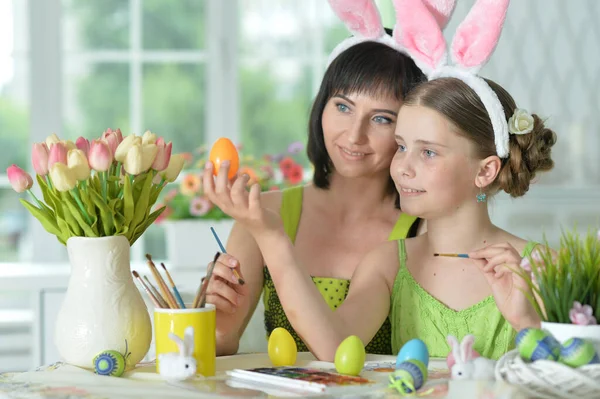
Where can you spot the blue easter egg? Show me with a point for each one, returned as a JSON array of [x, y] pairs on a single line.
[[415, 349], [577, 352]]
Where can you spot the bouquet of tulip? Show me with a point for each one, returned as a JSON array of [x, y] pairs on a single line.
[[271, 172], [567, 282], [101, 188]]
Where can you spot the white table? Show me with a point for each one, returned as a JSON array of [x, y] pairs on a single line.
[[47, 285], [144, 382]]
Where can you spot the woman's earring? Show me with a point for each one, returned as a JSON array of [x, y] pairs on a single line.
[[481, 197]]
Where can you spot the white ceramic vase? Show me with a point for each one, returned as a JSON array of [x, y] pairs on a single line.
[[190, 243], [103, 309], [564, 331]]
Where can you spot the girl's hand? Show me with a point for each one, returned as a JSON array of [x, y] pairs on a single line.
[[498, 263], [225, 290], [237, 202]]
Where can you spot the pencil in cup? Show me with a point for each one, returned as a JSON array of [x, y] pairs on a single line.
[[161, 284], [148, 291], [175, 290], [235, 272]]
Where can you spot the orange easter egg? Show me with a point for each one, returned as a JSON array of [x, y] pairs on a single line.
[[224, 150]]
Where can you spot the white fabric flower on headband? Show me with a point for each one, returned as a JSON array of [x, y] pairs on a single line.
[[521, 122]]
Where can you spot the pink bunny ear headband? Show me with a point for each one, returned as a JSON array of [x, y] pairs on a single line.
[[418, 33], [363, 20]]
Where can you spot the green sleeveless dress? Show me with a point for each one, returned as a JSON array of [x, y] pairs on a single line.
[[414, 313], [334, 290]]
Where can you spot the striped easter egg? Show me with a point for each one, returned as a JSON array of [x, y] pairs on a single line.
[[535, 344], [409, 376], [577, 352]]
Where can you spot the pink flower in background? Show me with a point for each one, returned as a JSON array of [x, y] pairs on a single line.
[[296, 147], [200, 206], [39, 158], [165, 214], [58, 153], [525, 264], [83, 144], [19, 179], [582, 314], [170, 195]]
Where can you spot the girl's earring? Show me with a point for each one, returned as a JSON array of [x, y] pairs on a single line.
[[481, 197]]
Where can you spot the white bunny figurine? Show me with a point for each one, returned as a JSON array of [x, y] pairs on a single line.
[[179, 366], [467, 367]]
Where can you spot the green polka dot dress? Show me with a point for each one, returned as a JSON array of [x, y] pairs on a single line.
[[334, 290]]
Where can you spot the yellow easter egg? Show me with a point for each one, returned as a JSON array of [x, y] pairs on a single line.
[[282, 348], [350, 356]]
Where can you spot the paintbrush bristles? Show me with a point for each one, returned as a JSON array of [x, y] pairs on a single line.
[[200, 299]]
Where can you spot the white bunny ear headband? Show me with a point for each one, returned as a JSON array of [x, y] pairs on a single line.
[[418, 33], [363, 20]]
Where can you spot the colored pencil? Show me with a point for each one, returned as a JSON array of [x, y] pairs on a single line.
[[235, 272], [150, 294], [175, 290], [453, 255]]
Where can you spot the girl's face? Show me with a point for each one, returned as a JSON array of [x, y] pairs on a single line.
[[358, 132], [434, 168]]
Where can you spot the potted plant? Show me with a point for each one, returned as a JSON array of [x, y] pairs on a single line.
[[96, 199], [189, 214], [566, 284]]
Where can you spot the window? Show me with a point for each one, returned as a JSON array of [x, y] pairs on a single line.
[[195, 70]]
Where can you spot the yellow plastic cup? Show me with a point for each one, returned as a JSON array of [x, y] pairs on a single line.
[[176, 321]]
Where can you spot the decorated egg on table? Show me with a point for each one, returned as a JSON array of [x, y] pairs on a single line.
[[282, 348], [535, 344], [415, 349], [110, 363], [224, 150], [409, 376], [350, 356], [576, 352]]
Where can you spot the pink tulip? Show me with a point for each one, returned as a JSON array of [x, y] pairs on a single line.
[[119, 135], [100, 157], [39, 158], [19, 179], [58, 153], [112, 139], [83, 144], [582, 315], [163, 155]]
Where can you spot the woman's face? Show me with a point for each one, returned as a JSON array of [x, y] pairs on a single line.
[[358, 131], [434, 168]]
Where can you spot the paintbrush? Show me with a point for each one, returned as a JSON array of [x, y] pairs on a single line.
[[235, 272], [453, 255], [159, 297], [150, 294], [175, 290], [161, 284], [200, 299]]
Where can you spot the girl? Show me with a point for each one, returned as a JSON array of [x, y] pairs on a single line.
[[351, 206], [453, 151]]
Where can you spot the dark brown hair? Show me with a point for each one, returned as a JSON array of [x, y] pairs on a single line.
[[528, 153], [368, 68]]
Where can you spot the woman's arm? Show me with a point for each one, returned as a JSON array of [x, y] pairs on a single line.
[[367, 304]]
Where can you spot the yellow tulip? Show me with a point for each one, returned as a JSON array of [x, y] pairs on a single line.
[[62, 177], [148, 137], [139, 158], [124, 147], [51, 140], [175, 165], [69, 144], [78, 163]]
